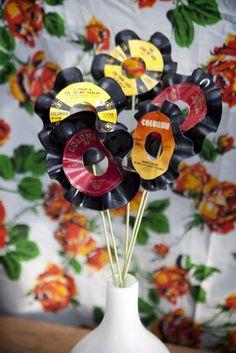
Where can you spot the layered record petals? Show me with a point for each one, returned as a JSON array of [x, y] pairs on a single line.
[[199, 97], [77, 142], [137, 65], [164, 145], [134, 205]]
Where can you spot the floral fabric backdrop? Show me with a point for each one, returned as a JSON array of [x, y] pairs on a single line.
[[53, 260]]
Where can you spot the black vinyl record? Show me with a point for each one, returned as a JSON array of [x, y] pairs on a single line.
[[183, 148], [153, 58], [203, 98], [118, 142], [55, 106]]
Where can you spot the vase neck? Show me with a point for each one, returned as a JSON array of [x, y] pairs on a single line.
[[122, 303]]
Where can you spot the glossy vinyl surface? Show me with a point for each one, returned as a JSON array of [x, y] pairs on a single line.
[[204, 99], [128, 46]]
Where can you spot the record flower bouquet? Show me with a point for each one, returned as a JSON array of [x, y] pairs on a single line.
[[101, 165]]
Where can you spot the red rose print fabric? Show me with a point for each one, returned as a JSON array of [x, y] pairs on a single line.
[[53, 257]]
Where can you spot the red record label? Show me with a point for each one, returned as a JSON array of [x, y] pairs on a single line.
[[78, 175], [190, 94]]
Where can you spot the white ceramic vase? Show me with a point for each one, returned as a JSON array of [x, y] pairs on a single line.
[[121, 330]]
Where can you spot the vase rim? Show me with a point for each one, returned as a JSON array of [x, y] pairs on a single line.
[[130, 282]]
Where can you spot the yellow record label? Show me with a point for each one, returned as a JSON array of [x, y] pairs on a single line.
[[128, 85], [147, 168], [140, 69], [150, 54], [118, 53], [85, 93]]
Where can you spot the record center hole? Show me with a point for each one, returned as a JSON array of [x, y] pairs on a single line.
[[133, 67], [153, 145], [81, 107], [184, 107], [95, 161]]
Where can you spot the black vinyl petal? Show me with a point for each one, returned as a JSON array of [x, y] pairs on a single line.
[[124, 36], [161, 42], [67, 77], [119, 143], [97, 68], [144, 108], [43, 105], [48, 144], [54, 165], [61, 133], [114, 90], [116, 198]]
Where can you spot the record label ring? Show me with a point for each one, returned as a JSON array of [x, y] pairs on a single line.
[[189, 93], [78, 175], [84, 93], [137, 66]]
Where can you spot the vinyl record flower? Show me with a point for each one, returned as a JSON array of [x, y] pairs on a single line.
[[137, 65], [159, 145], [201, 99], [82, 140]]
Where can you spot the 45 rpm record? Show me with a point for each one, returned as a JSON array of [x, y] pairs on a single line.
[[203, 99], [152, 123], [180, 148], [137, 65], [190, 94], [76, 172], [74, 144], [106, 98], [85, 93]]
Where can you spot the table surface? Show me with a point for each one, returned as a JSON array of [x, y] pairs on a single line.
[[19, 335]]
